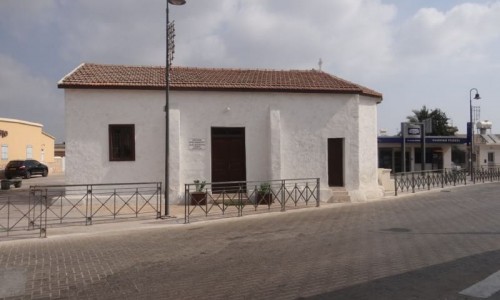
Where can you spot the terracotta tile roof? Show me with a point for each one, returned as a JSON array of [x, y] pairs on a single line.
[[184, 78]]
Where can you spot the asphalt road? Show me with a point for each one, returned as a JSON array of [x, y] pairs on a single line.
[[51, 179], [21, 194], [424, 246]]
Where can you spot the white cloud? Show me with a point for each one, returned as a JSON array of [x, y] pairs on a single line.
[[444, 50], [438, 55], [348, 35], [30, 98], [126, 32], [462, 34]]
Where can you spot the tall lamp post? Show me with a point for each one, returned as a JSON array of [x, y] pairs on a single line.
[[168, 59], [471, 144]]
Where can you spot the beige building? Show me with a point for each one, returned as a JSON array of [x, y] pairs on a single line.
[[24, 140]]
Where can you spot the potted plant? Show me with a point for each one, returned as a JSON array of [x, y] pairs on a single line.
[[264, 194], [198, 197]]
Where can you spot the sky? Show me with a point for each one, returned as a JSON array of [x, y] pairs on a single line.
[[415, 52]]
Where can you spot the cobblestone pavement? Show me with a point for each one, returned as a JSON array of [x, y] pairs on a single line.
[[423, 246]]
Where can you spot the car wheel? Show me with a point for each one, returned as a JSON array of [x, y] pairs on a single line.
[[28, 175], [45, 173]]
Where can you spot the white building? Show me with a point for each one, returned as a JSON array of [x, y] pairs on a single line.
[[225, 125], [441, 152], [487, 146]]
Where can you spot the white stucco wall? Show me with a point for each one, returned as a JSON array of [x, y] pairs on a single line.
[[285, 136], [368, 168], [447, 157], [88, 114], [200, 111], [483, 151]]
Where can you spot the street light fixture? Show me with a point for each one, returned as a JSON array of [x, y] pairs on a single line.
[[167, 90], [471, 144]]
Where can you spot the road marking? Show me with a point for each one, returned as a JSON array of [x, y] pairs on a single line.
[[484, 288]]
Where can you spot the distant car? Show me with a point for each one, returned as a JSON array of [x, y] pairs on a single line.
[[25, 168]]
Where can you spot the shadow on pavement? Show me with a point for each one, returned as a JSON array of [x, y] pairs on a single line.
[[443, 281]]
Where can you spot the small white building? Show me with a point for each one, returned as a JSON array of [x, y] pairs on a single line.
[[225, 125], [487, 146]]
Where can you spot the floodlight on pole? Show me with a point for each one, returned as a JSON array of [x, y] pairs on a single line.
[[177, 2], [168, 60]]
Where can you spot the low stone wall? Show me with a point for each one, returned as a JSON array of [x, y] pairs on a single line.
[[385, 181], [58, 166]]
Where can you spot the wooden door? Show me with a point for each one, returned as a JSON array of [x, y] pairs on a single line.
[[228, 155], [336, 162]]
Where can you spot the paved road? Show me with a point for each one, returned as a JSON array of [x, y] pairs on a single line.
[[52, 179], [424, 246]]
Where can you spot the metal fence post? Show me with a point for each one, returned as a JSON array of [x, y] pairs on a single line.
[[8, 215], [283, 183], [395, 184], [186, 195], [413, 182], [60, 207], [428, 180], [114, 203], [43, 230], [30, 197], [318, 192], [158, 200], [136, 202], [88, 220], [32, 193], [240, 202]]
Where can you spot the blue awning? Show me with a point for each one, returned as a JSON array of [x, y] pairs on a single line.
[[428, 140]]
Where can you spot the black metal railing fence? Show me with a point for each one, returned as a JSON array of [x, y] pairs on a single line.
[[51, 205], [15, 218], [238, 197], [486, 173], [426, 180]]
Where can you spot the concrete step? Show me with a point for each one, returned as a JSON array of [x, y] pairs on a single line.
[[339, 195], [389, 193]]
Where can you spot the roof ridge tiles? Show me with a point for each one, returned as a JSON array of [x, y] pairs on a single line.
[[204, 68]]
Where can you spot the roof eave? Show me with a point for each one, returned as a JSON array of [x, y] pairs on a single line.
[[220, 89]]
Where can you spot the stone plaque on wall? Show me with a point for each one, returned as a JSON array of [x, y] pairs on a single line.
[[197, 144]]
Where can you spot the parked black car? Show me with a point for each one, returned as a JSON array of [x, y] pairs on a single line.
[[25, 168]]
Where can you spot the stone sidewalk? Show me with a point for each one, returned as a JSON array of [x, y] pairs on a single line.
[[423, 246], [176, 217]]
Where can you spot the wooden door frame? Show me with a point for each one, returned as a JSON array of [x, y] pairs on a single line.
[[331, 162], [240, 133]]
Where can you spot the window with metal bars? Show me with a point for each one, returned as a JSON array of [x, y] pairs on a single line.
[[122, 142]]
